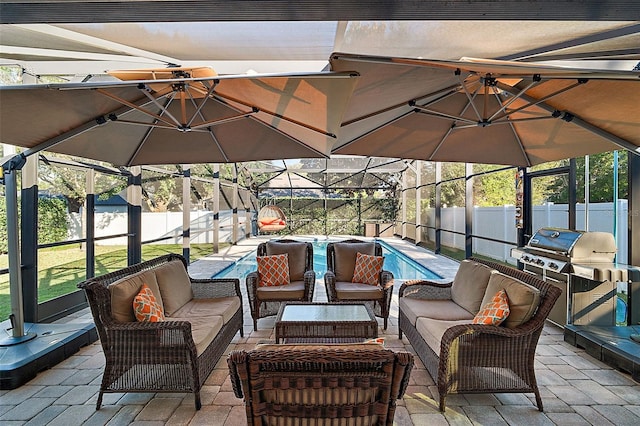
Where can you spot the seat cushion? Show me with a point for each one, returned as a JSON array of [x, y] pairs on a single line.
[[433, 308], [225, 307], [273, 270], [204, 328], [293, 291], [523, 298], [125, 290], [175, 285], [345, 258], [469, 285], [357, 291], [297, 257], [432, 330]]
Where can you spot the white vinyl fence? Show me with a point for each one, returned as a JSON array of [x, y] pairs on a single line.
[[499, 223], [160, 225]]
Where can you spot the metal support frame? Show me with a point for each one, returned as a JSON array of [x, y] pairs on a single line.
[[90, 219], [186, 212], [634, 210], [438, 223], [29, 239], [10, 167], [134, 216]]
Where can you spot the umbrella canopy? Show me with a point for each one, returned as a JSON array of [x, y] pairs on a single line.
[[482, 111], [179, 115]]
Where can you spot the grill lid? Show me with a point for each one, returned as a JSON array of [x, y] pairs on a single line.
[[555, 239]]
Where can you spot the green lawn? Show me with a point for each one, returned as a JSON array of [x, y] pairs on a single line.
[[61, 268]]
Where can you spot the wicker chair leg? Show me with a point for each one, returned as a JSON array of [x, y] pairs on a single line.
[[538, 399], [385, 322], [442, 404], [255, 324], [197, 398], [99, 402]]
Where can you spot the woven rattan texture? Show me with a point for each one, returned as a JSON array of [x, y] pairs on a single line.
[[477, 358]]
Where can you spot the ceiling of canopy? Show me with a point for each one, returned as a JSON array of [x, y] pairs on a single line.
[[78, 50]]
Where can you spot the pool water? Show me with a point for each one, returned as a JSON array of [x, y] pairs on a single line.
[[402, 267]]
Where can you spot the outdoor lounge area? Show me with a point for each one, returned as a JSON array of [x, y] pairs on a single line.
[[354, 213], [575, 387]]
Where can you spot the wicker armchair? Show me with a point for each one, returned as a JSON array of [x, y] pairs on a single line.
[[265, 301], [339, 275], [476, 358], [159, 356], [320, 385]]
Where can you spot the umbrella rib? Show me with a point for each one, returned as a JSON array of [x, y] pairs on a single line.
[[524, 152], [132, 105], [163, 108], [222, 120], [140, 123], [514, 98], [435, 151], [466, 92], [222, 98], [442, 94], [439, 114], [204, 100], [535, 102]]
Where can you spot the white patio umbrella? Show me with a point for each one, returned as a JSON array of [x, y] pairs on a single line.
[[483, 111]]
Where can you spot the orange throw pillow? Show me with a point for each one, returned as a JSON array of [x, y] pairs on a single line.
[[495, 311], [273, 270], [368, 268], [146, 307]]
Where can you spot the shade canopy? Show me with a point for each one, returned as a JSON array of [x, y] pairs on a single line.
[[486, 111], [182, 119]]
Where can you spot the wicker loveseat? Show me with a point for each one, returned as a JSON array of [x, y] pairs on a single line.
[[339, 384], [476, 358], [174, 355]]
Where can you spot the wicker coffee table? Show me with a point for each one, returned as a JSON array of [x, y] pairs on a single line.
[[299, 322]]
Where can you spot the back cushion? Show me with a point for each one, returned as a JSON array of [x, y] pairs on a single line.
[[175, 286], [523, 298], [469, 285], [345, 258], [125, 290], [297, 257]]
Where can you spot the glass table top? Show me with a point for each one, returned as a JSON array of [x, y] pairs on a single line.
[[338, 313]]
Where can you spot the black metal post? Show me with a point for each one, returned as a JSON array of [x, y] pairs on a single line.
[[468, 211], [29, 235], [573, 193], [438, 207], [134, 222]]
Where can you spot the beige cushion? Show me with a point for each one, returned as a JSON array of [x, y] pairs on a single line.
[[357, 291], [469, 285], [175, 286], [293, 291], [345, 258], [204, 329], [433, 308], [297, 257], [523, 298], [125, 290], [432, 330], [225, 307]]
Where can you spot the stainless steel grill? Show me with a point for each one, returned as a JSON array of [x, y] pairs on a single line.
[[578, 260]]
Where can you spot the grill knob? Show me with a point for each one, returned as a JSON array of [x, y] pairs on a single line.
[[526, 258], [553, 265], [540, 262]]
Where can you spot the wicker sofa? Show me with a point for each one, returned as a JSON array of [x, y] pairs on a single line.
[[174, 355], [463, 357]]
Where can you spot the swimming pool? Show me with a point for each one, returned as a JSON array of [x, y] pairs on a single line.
[[402, 266]]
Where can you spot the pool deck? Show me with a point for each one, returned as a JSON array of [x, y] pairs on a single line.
[[576, 388]]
